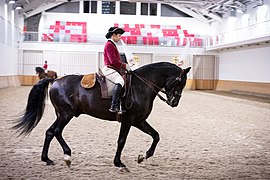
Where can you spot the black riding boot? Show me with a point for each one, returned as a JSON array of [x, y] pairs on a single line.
[[115, 98]]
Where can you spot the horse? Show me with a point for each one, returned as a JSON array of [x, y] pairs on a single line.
[[41, 73], [70, 100]]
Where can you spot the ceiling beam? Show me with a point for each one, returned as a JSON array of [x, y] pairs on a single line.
[[191, 13], [211, 15], [42, 8]]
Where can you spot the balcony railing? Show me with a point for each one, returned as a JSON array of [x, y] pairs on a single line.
[[195, 42], [251, 32]]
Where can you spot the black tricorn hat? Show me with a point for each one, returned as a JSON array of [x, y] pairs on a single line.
[[114, 30]]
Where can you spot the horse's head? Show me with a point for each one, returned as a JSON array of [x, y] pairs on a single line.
[[174, 87], [39, 70]]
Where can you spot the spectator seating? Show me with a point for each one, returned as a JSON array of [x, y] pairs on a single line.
[[136, 34], [143, 34], [66, 31]]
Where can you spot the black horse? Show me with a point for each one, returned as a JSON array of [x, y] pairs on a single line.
[[70, 99]]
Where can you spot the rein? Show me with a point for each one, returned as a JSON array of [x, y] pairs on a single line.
[[148, 83]]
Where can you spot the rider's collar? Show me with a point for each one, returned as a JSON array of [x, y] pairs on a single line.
[[112, 41]]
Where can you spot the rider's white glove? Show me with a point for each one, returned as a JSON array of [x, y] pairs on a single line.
[[128, 68]]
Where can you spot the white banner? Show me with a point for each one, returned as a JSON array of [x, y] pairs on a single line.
[[127, 51], [186, 50], [129, 56]]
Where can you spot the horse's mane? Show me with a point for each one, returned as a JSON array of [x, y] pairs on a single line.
[[159, 66]]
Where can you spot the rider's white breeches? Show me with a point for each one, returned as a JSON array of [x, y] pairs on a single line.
[[113, 75]]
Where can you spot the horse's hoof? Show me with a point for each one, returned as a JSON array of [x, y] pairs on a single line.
[[67, 160], [140, 158], [123, 170], [50, 163]]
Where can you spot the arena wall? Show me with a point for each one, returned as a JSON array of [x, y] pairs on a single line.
[[82, 59], [245, 70]]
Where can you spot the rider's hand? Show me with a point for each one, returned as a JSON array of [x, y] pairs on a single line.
[[128, 68]]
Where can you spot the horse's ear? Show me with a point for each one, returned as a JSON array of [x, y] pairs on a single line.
[[187, 70]]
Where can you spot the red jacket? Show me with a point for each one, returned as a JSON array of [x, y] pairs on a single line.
[[45, 66], [112, 56]]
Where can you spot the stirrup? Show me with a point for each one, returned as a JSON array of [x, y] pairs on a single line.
[[121, 110], [115, 110]]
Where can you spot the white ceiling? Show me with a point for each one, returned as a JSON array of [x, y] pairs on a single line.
[[205, 10]]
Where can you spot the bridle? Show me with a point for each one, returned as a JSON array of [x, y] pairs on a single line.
[[171, 95]]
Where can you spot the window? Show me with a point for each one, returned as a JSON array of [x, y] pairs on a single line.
[[70, 7], [261, 14], [144, 8], [108, 7], [90, 6], [128, 8], [169, 11], [245, 19], [93, 6], [153, 9], [86, 6]]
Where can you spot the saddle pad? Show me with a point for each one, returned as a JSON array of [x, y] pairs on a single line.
[[88, 80]]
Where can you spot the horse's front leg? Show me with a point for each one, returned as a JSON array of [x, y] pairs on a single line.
[[124, 130], [146, 128]]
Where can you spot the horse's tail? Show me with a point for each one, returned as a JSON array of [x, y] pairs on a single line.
[[34, 108]]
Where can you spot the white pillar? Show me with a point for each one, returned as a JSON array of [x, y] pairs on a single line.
[[12, 28], [99, 7], [138, 8], [41, 27], [158, 9], [81, 7], [6, 22], [117, 7]]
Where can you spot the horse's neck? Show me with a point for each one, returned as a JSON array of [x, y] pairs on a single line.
[[156, 77], [42, 75], [149, 84]]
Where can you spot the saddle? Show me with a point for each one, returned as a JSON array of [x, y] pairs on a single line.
[[89, 80]]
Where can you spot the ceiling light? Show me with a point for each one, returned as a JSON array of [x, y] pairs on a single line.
[[239, 11], [11, 1], [18, 7], [232, 13]]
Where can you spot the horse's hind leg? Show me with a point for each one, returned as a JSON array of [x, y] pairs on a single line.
[[146, 128], [56, 130], [64, 120], [48, 138]]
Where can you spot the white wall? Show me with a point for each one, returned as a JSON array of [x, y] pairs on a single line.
[[68, 58], [8, 60], [9, 38], [250, 65]]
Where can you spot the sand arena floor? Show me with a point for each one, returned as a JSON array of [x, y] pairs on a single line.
[[209, 136]]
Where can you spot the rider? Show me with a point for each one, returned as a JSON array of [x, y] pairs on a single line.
[[45, 66], [114, 66]]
